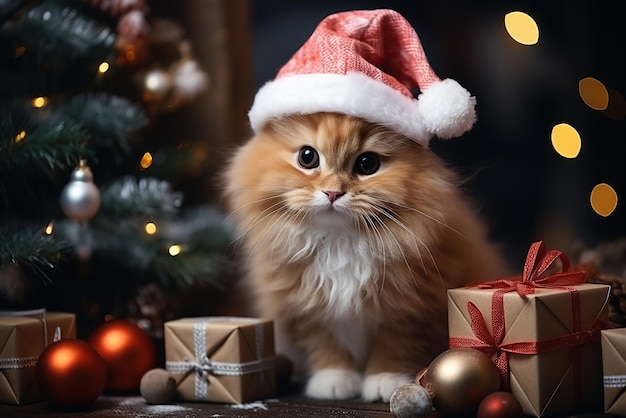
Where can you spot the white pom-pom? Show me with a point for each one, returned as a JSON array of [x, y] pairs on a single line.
[[448, 109]]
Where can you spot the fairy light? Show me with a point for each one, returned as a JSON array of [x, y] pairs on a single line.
[[522, 28], [150, 228], [40, 102], [103, 67], [146, 161], [20, 136], [603, 199], [566, 140], [49, 228], [174, 250], [594, 93]]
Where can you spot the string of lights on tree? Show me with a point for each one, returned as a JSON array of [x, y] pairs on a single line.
[[104, 234]]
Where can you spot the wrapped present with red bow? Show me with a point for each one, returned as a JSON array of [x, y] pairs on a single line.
[[542, 330]]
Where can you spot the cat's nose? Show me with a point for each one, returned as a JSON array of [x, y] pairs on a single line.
[[333, 195]]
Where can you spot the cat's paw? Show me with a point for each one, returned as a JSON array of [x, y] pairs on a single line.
[[380, 386], [334, 384]]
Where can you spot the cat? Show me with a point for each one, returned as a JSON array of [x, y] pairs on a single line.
[[352, 234]]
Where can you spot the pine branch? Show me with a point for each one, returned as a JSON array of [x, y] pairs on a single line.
[[107, 118], [30, 247], [31, 153], [129, 197], [192, 267], [51, 145], [123, 245], [206, 249], [54, 27]]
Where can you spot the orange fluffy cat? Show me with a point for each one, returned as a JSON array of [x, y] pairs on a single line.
[[353, 233]]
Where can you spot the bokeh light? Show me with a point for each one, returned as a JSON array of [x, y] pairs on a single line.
[[39, 102], [603, 199], [522, 28], [20, 136], [150, 228], [566, 140], [174, 250], [593, 93], [146, 160], [103, 67]]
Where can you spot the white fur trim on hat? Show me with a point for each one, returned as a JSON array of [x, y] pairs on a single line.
[[354, 94]]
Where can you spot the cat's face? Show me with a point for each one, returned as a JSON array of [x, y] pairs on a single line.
[[328, 170]]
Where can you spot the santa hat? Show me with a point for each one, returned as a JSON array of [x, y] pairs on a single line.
[[367, 63]]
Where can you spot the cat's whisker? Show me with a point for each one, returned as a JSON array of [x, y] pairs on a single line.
[[271, 227], [381, 246], [393, 238], [242, 207], [432, 218], [292, 215], [392, 216], [264, 214]]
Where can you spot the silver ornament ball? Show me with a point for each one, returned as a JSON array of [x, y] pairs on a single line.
[[410, 401], [80, 198]]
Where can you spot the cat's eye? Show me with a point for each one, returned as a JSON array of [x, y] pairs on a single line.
[[367, 163], [308, 158]]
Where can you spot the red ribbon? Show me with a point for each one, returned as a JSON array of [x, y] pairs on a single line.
[[537, 263]]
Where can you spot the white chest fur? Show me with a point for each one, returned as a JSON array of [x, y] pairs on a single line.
[[340, 265]]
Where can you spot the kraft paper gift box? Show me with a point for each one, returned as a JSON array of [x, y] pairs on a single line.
[[614, 367], [23, 337], [221, 359], [543, 333]]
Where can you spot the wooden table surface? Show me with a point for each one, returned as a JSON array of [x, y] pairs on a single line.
[[290, 406]]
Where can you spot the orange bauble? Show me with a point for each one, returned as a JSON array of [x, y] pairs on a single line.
[[128, 352], [70, 373]]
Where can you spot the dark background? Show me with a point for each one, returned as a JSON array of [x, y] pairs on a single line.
[[525, 189]]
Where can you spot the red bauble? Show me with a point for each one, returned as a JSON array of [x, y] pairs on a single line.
[[128, 352], [500, 405], [70, 373]]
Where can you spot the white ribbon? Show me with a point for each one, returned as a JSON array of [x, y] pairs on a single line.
[[24, 362], [615, 381], [203, 365]]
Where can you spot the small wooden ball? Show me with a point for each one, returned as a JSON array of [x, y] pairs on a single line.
[[410, 401], [157, 386]]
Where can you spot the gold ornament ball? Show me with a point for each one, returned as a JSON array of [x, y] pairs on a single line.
[[459, 379], [70, 373]]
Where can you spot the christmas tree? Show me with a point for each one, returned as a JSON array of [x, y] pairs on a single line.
[[82, 228]]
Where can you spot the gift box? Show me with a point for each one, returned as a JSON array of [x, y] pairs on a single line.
[[613, 343], [221, 359], [542, 331], [23, 336]]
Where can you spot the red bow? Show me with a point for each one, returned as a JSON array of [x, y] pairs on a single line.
[[537, 263]]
